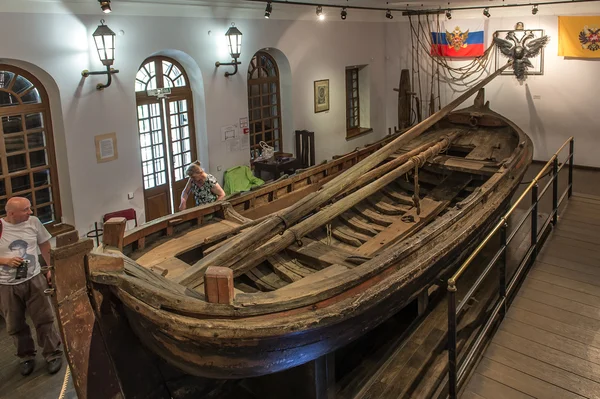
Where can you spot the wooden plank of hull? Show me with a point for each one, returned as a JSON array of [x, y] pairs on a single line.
[[372, 216], [186, 242], [319, 255], [357, 224], [320, 275], [170, 267], [402, 227], [265, 279], [284, 268]]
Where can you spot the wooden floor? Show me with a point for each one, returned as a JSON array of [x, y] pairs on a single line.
[[548, 346]]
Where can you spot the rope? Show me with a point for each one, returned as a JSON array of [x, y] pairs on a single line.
[[63, 390], [298, 240], [285, 223]]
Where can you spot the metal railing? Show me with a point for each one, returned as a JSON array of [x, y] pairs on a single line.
[[455, 377]]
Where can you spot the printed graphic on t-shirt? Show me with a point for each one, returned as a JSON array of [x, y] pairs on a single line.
[[19, 249]]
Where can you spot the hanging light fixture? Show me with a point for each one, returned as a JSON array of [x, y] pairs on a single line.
[[534, 10], [448, 14], [388, 14], [104, 38], [486, 12], [268, 10], [320, 14], [234, 39], [343, 14], [105, 6]]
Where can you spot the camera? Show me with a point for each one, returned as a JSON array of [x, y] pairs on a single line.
[[22, 269]]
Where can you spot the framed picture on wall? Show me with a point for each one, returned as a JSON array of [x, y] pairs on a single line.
[[537, 62], [321, 95]]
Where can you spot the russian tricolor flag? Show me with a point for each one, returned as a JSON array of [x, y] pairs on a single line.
[[459, 39]]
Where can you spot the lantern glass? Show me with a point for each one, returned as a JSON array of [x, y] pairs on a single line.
[[234, 37], [104, 39]]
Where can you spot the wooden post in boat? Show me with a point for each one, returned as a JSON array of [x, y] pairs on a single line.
[[218, 285], [247, 242], [94, 375], [423, 301], [67, 238], [114, 231]]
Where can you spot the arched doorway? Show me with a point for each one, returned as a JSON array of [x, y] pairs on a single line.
[[264, 104], [27, 154], [166, 132]]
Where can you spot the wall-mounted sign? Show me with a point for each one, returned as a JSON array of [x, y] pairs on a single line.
[[106, 147]]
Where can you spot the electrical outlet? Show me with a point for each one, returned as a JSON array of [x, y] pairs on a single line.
[[219, 168], [130, 196]]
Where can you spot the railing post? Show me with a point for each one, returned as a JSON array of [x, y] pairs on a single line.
[[503, 259], [571, 156], [534, 218], [452, 340], [555, 191]]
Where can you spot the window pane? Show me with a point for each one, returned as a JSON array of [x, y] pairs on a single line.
[[14, 143], [41, 178], [43, 196], [5, 79], [2, 190], [36, 140], [31, 97], [16, 163], [21, 84], [33, 121], [12, 124], [38, 158], [45, 213], [7, 99], [20, 183]]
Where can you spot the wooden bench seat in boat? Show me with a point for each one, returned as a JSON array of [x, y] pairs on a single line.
[[164, 254]]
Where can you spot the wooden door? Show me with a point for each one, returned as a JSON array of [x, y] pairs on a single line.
[[167, 134], [157, 193]]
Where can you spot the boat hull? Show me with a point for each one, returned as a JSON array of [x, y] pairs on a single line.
[[249, 355]]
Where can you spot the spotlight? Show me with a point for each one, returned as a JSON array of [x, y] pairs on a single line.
[[343, 14], [534, 10], [448, 14], [388, 14], [486, 12], [320, 13], [105, 6], [268, 10]]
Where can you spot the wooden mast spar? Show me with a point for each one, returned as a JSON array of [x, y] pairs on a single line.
[[245, 243]]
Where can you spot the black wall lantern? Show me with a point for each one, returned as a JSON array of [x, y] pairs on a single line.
[[104, 38], [234, 39]]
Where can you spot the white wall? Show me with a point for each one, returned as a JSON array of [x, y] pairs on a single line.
[[61, 45], [550, 108]]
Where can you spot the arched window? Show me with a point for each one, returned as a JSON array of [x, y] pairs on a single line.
[[27, 159], [264, 103], [166, 131]]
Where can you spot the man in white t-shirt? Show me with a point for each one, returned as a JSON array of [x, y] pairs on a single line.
[[22, 286]]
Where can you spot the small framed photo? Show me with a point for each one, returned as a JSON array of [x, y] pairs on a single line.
[[106, 147], [321, 95]]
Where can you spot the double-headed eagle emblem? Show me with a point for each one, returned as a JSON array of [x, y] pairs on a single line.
[[589, 38], [457, 39], [520, 49]]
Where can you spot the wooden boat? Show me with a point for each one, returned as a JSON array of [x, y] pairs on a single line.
[[232, 298]]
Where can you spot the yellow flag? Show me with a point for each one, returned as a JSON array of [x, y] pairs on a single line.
[[579, 36]]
